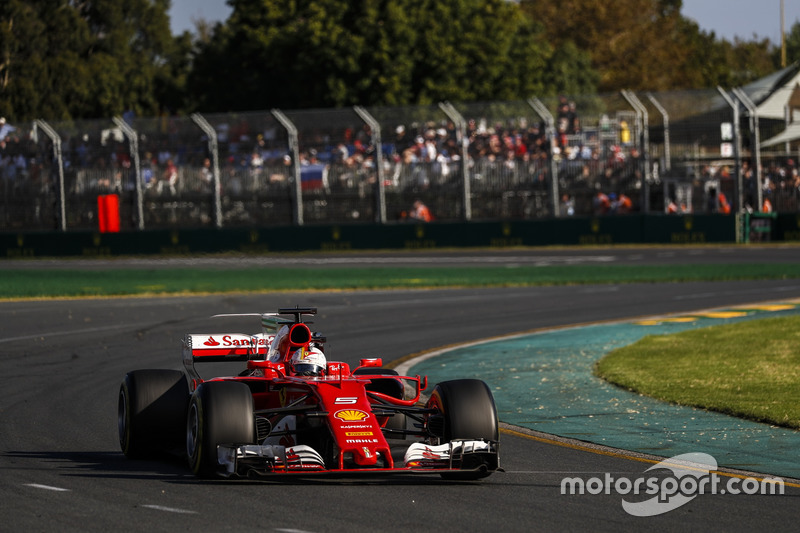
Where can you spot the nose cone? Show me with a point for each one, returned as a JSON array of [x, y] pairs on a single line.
[[365, 457]]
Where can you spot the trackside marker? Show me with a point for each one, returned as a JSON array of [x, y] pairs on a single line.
[[169, 509], [46, 487]]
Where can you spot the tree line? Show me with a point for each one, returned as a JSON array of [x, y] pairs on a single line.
[[84, 59]]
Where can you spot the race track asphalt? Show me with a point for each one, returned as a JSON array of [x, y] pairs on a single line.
[[61, 363]]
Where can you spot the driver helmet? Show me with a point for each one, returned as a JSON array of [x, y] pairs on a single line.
[[308, 362]]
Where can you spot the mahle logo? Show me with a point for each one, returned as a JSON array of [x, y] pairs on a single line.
[[689, 475]]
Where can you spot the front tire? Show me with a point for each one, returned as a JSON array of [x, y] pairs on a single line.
[[220, 412], [151, 409], [466, 411]]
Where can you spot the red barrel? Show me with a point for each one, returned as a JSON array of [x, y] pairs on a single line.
[[108, 213]]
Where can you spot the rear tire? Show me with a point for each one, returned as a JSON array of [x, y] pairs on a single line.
[[220, 412], [469, 413], [151, 410]]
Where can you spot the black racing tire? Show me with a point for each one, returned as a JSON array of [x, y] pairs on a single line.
[[220, 412], [390, 387], [151, 411], [468, 411]]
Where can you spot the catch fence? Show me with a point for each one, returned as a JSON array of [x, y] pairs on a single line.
[[679, 152]]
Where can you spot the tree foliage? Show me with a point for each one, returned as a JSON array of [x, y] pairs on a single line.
[[64, 59], [81, 59], [321, 53]]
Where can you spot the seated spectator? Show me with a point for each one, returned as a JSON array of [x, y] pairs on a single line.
[[601, 203], [567, 205], [420, 212], [623, 204]]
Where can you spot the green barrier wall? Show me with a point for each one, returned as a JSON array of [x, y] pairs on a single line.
[[787, 227], [630, 229]]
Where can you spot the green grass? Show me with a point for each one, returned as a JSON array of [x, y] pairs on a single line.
[[749, 369], [34, 283]]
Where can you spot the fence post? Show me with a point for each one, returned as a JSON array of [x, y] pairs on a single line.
[[133, 147], [51, 133], [642, 122], [213, 148], [294, 148], [665, 116], [376, 138], [737, 148], [755, 143], [550, 122], [461, 136]]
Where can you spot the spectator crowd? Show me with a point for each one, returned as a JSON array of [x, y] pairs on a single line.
[[598, 163]]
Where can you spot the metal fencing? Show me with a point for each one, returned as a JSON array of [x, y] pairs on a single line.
[[679, 152]]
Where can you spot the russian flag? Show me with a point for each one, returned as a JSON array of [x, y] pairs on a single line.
[[313, 177]]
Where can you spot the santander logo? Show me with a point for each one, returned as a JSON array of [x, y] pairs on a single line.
[[235, 341]]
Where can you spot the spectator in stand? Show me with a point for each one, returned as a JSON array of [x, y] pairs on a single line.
[[711, 200], [420, 212], [672, 207], [796, 182], [363, 142], [567, 205], [624, 133], [430, 151], [562, 111], [206, 176], [402, 141], [256, 170], [749, 186], [148, 176], [169, 181], [623, 204], [724, 206], [766, 207], [574, 122], [601, 203], [5, 129]]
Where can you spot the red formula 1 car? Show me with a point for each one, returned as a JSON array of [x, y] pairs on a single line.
[[291, 412]]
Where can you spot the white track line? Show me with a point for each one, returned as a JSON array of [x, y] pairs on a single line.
[[169, 509], [46, 487]]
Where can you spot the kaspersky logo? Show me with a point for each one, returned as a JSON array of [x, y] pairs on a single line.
[[351, 415]]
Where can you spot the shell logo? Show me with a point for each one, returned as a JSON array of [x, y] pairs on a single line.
[[351, 415]]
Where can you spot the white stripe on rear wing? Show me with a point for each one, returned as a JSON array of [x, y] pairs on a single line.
[[210, 347]]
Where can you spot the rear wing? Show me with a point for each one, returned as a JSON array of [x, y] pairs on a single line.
[[241, 347], [225, 347], [222, 347]]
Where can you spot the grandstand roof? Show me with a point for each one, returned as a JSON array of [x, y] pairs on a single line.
[[772, 93]]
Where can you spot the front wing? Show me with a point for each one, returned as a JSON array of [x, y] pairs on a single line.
[[459, 456]]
